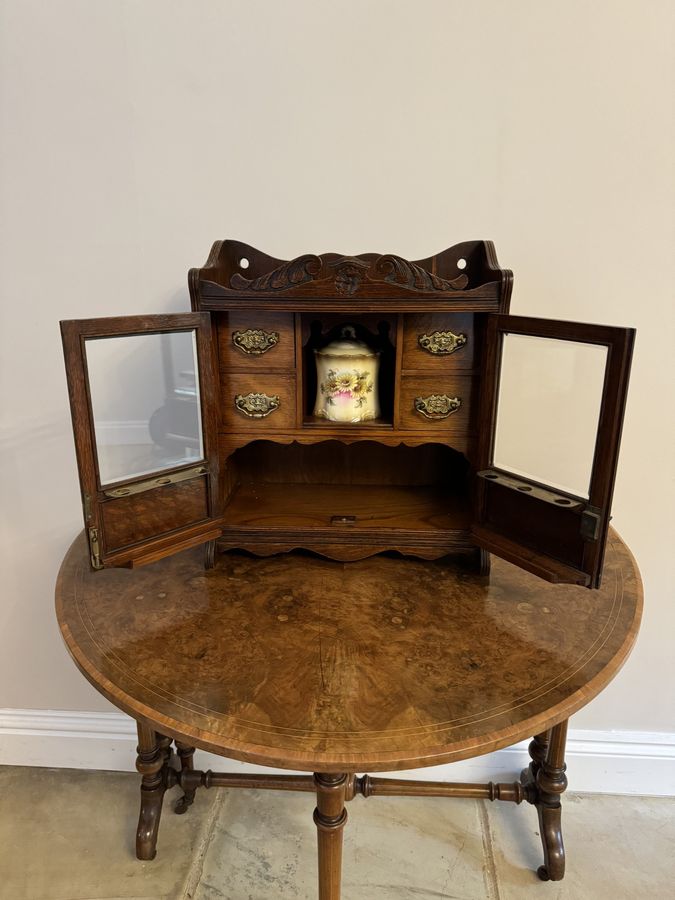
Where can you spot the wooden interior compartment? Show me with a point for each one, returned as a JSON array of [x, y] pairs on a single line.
[[280, 356], [341, 507], [417, 359], [361, 492], [129, 520], [460, 386], [378, 331], [273, 385], [551, 530]]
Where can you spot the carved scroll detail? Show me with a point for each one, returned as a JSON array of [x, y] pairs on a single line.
[[401, 271], [349, 273], [331, 275], [257, 405], [297, 271], [441, 343], [437, 406], [255, 341]]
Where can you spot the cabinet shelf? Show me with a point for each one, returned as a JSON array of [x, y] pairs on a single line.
[[318, 422], [422, 512]]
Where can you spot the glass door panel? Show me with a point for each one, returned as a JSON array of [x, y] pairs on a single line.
[[144, 408], [146, 405], [552, 402], [548, 409]]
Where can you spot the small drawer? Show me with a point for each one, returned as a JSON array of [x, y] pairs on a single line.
[[436, 342], [256, 341], [428, 402], [257, 402]]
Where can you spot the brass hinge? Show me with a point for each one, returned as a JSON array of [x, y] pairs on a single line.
[[86, 506], [94, 549], [590, 523]]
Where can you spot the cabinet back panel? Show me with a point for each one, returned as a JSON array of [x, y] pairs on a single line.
[[364, 462]]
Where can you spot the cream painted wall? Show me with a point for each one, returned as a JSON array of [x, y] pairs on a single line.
[[135, 132]]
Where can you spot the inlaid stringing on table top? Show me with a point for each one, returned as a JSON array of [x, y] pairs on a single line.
[[310, 664], [305, 663]]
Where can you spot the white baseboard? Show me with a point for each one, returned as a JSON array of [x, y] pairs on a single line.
[[607, 762]]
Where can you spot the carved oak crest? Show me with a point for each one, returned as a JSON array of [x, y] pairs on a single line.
[[237, 269], [298, 270], [349, 273], [397, 270]]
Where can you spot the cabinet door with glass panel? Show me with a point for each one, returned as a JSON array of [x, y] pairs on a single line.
[[142, 396], [552, 404]]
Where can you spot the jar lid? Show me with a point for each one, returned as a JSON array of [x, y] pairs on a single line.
[[347, 345]]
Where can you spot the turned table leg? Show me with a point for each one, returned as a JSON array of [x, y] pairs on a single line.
[[544, 782], [152, 754], [164, 744], [330, 816], [538, 749], [551, 781], [186, 756]]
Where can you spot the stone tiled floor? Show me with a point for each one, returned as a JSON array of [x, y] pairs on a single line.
[[68, 835]]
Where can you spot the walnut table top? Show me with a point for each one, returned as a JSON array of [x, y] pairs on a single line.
[[305, 663]]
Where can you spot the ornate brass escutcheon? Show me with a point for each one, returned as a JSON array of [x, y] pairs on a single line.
[[256, 405], [437, 406], [441, 343], [255, 341]]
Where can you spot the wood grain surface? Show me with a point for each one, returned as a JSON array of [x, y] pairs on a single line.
[[416, 359], [280, 356], [408, 508], [459, 386], [150, 514], [239, 276], [304, 663]]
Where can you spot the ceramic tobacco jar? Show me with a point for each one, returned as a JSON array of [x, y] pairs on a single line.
[[346, 375]]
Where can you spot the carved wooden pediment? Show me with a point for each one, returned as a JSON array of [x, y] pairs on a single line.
[[347, 275], [237, 270]]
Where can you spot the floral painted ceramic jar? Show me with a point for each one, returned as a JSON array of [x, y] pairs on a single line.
[[346, 374]]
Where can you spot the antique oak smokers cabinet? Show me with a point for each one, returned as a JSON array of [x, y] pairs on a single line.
[[496, 434], [224, 448]]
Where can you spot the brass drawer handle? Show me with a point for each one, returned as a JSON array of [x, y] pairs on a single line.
[[437, 406], [255, 341], [256, 405], [441, 343]]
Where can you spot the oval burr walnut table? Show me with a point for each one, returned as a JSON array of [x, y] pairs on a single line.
[[303, 663]]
